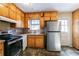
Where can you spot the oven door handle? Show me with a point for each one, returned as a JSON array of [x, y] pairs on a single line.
[[11, 42]]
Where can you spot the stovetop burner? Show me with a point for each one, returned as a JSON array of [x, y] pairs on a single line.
[[9, 37]]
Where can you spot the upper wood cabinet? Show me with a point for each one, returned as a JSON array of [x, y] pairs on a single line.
[[49, 14], [33, 15], [26, 22], [4, 11], [18, 17], [12, 7], [47, 18], [12, 14], [19, 12], [54, 13], [42, 22], [54, 18]]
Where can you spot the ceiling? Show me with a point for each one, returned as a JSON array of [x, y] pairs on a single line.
[[37, 7]]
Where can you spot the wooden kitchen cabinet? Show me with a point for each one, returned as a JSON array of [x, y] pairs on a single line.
[[35, 41], [42, 23], [54, 18], [39, 42], [12, 14], [50, 15], [47, 18], [26, 22], [18, 17], [31, 41], [12, 7], [3, 11], [47, 14], [1, 48]]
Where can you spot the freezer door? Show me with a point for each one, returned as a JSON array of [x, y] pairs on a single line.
[[53, 26], [53, 41]]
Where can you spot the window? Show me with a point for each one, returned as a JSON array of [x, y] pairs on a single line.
[[34, 24], [64, 25]]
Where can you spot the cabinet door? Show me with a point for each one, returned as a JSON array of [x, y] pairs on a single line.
[[26, 22], [3, 10], [39, 42], [1, 48], [47, 18], [18, 17], [53, 17], [31, 41], [42, 22], [12, 14], [12, 7], [47, 14], [54, 13]]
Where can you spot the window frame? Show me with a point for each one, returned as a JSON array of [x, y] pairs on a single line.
[[30, 24], [64, 25]]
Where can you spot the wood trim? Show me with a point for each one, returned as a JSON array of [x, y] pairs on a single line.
[[75, 10]]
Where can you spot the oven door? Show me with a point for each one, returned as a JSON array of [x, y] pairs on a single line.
[[14, 48]]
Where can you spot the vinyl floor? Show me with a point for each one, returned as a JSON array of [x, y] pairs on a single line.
[[65, 51]]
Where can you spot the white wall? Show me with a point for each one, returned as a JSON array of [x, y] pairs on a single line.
[[66, 38]]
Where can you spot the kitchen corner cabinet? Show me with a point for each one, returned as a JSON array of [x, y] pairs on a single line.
[[1, 48], [35, 41]]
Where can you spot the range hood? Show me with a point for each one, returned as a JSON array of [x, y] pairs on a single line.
[[2, 18]]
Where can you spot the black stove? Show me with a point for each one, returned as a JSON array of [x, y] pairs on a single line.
[[9, 37], [13, 44]]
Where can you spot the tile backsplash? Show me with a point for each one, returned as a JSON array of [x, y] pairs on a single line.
[[4, 25]]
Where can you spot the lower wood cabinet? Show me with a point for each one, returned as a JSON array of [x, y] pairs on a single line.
[[35, 41], [31, 41], [39, 41], [1, 49]]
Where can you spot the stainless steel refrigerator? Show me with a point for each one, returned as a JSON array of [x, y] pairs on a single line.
[[53, 36]]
